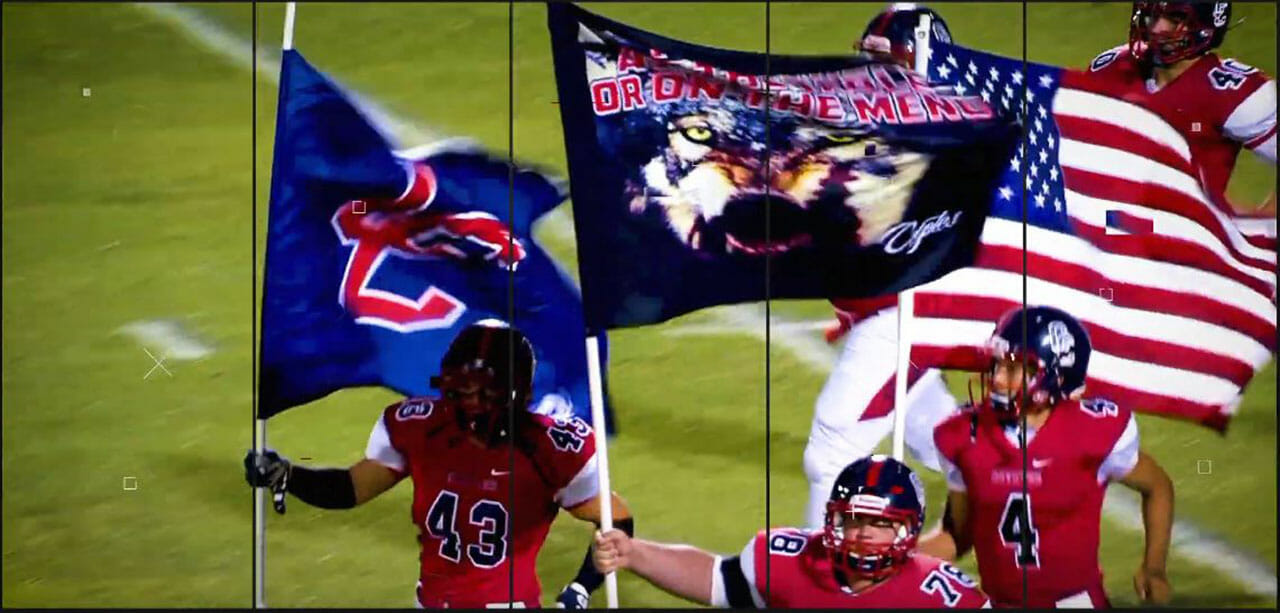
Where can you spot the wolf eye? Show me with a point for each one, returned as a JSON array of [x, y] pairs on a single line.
[[841, 139], [697, 134]]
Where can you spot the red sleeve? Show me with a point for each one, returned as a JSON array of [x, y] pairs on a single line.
[[948, 435]]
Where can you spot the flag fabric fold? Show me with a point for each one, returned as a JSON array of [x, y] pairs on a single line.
[[703, 176], [1177, 293], [377, 258]]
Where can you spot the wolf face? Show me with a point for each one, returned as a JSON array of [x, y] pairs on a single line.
[[715, 182]]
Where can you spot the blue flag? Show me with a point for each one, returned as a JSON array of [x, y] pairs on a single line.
[[703, 176], [375, 259]]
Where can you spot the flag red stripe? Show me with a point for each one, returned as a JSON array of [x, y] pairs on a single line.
[[1105, 338], [1115, 136], [1168, 249], [1128, 295], [1158, 197], [1204, 414], [1146, 402]]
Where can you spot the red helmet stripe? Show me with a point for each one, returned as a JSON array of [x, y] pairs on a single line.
[[873, 475]]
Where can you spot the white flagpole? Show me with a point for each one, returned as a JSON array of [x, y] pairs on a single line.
[[906, 299], [906, 305], [260, 425], [602, 456]]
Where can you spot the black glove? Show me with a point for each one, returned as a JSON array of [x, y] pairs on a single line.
[[573, 596], [265, 469]]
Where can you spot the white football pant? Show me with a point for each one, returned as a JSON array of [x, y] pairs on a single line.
[[865, 365]]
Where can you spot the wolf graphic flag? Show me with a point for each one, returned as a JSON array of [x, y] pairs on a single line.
[[690, 184], [375, 259]]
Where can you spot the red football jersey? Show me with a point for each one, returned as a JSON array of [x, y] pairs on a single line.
[[1070, 459], [1218, 105], [800, 576], [474, 527]]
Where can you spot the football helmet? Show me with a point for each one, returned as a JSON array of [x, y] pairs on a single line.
[[1198, 27], [892, 33], [485, 375], [876, 486], [1054, 353]]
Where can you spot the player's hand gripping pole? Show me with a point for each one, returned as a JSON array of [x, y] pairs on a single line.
[[906, 299], [602, 456]]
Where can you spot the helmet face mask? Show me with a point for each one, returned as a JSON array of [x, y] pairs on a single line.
[[486, 376], [868, 545], [1006, 378], [481, 403], [873, 519], [1164, 33]]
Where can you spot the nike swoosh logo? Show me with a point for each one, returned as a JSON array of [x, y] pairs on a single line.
[[499, 473], [1040, 463]]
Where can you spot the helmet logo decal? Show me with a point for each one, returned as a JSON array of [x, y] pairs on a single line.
[[1061, 343], [1220, 14]]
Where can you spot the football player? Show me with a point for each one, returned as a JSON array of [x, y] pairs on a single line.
[[891, 35], [864, 558], [1034, 421], [1218, 104], [853, 411], [488, 476]]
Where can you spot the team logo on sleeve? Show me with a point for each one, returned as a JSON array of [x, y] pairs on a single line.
[[1104, 58], [414, 409]]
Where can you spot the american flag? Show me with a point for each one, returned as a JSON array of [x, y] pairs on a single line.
[[1177, 294]]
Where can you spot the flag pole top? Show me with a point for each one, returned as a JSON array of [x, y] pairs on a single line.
[[290, 10]]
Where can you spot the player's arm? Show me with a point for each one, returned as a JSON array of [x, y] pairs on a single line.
[[952, 537], [1150, 480], [682, 570], [326, 488], [577, 593]]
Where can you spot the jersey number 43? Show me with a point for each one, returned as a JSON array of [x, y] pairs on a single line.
[[489, 515]]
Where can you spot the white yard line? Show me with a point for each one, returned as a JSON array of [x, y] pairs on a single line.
[[1189, 542], [169, 337]]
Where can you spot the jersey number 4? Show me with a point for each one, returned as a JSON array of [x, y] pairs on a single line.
[[489, 515], [1018, 530]]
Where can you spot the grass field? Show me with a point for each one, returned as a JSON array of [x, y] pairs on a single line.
[[133, 203]]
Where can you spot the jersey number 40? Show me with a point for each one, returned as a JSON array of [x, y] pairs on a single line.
[[489, 515]]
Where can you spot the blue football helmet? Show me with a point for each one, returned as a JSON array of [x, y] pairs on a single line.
[[875, 486], [1054, 353], [892, 33]]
